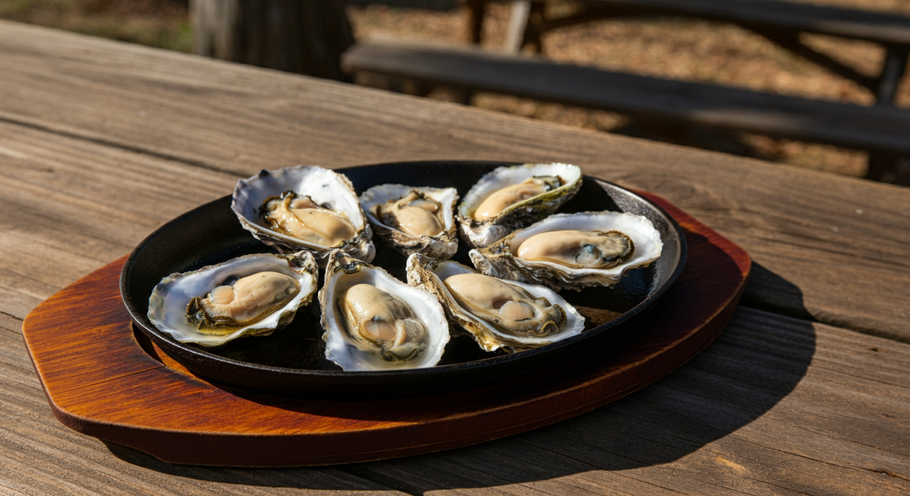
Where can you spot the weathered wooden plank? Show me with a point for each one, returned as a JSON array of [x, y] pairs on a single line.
[[40, 455], [159, 104], [703, 430], [706, 428], [75, 205]]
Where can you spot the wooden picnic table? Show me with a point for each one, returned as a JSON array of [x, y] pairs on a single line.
[[880, 130], [806, 391]]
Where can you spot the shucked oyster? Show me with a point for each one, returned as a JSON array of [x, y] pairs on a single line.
[[413, 219], [509, 198], [380, 320], [501, 199], [302, 218], [250, 295], [573, 251], [373, 321], [499, 314], [572, 248], [240, 301], [304, 207]]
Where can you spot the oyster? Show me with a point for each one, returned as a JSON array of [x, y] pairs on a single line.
[[373, 321], [302, 218], [237, 302], [573, 251], [413, 219], [499, 314], [250, 295], [304, 208], [509, 198], [501, 199], [574, 248]]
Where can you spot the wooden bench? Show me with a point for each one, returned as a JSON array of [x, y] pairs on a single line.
[[780, 22], [882, 129], [879, 128]]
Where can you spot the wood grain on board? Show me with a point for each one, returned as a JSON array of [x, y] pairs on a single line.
[[748, 414], [843, 253], [101, 382]]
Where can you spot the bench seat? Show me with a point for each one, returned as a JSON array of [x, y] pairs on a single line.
[[879, 128]]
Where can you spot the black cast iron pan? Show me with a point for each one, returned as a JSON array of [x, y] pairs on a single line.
[[290, 361]]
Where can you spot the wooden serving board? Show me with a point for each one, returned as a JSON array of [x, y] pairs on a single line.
[[105, 380]]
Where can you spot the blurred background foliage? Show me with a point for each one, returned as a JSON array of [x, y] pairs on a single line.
[[157, 23]]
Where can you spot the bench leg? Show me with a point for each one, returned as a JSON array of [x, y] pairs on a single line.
[[885, 166], [518, 25], [475, 9], [525, 24], [892, 71], [533, 31], [889, 168]]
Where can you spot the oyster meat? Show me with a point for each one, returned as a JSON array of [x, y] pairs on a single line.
[[250, 295], [304, 208], [493, 205], [413, 219], [300, 217], [511, 315], [509, 198], [373, 321], [236, 303], [377, 319], [573, 248], [415, 214], [573, 251]]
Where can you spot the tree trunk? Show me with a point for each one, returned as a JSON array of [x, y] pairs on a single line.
[[305, 37]]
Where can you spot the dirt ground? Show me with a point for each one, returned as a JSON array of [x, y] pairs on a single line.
[[662, 47]]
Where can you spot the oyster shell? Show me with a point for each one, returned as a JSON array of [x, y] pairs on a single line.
[[273, 206], [373, 321], [512, 315], [413, 219], [183, 305], [509, 198], [584, 264]]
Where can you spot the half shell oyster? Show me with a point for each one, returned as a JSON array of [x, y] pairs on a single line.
[[509, 198], [413, 219], [304, 208], [574, 250], [373, 321], [512, 315], [250, 295]]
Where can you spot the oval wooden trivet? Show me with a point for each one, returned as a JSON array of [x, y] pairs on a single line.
[[103, 380]]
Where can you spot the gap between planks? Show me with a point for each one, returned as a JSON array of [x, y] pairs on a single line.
[[121, 146]]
